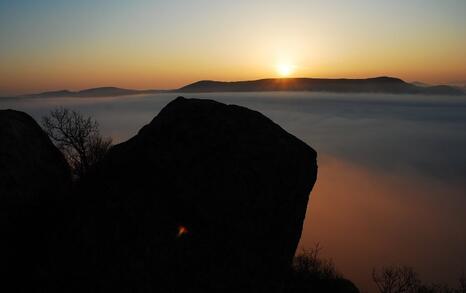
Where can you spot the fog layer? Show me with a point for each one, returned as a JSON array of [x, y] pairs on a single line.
[[392, 168]]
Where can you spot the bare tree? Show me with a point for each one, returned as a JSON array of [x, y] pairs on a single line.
[[77, 136], [435, 288], [312, 273], [462, 285], [310, 263], [395, 279]]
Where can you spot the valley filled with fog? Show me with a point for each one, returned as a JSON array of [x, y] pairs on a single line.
[[391, 187]]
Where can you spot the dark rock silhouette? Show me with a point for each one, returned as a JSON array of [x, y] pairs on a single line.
[[33, 177], [31, 166], [299, 282], [333, 286], [207, 197]]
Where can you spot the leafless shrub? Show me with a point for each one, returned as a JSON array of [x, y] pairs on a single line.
[[462, 284], [310, 263], [77, 136], [395, 279], [399, 279]]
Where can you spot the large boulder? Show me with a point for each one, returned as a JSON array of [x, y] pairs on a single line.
[[207, 197], [32, 169], [34, 176]]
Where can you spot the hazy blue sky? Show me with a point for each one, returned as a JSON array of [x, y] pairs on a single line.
[[52, 44]]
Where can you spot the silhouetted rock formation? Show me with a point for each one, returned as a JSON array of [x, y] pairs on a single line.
[[33, 175], [307, 284], [32, 168], [206, 197]]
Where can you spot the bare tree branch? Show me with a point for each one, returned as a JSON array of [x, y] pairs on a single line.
[[395, 279], [77, 136]]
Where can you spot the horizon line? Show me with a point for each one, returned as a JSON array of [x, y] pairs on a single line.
[[452, 83], [214, 80]]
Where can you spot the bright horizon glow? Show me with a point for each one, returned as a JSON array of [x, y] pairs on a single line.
[[153, 44], [285, 69]]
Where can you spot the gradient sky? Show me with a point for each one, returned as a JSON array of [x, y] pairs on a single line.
[[51, 44]]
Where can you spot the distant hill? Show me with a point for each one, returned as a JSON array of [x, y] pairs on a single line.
[[96, 92], [420, 83], [371, 85], [389, 85]]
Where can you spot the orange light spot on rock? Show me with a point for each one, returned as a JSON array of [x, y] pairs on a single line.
[[182, 230]]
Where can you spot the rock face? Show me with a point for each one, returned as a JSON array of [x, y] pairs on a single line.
[[33, 176], [32, 168], [207, 197]]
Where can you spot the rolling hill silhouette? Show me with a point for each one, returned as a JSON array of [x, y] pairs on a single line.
[[96, 92], [387, 85], [371, 85]]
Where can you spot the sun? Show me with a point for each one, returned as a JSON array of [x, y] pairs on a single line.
[[285, 69]]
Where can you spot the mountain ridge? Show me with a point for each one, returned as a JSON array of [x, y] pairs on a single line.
[[106, 91], [382, 84]]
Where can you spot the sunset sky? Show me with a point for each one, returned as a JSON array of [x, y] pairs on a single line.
[[51, 44]]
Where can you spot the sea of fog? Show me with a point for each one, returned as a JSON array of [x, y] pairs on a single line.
[[391, 187]]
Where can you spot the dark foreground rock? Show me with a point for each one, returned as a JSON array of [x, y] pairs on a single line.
[[310, 284], [206, 198], [33, 176], [32, 168]]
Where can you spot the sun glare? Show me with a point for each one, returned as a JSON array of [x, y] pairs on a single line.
[[284, 69]]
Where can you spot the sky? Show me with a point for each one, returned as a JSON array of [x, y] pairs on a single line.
[[51, 44]]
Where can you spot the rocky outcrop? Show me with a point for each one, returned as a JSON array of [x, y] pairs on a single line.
[[33, 177], [207, 197], [32, 168]]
